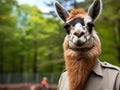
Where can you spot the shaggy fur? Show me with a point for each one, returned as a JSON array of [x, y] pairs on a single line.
[[79, 64], [77, 13]]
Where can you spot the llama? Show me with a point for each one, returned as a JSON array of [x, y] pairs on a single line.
[[81, 45]]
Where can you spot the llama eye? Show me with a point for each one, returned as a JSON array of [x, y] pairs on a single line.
[[67, 26], [90, 26]]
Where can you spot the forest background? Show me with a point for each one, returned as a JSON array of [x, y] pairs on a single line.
[[31, 40]]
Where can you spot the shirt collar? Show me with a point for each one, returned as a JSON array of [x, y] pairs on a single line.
[[97, 69]]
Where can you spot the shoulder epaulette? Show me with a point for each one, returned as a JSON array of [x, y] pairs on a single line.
[[108, 65]]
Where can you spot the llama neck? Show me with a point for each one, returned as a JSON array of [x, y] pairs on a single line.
[[78, 72], [79, 65]]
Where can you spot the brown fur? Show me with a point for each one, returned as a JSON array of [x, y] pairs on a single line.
[[76, 13], [79, 64]]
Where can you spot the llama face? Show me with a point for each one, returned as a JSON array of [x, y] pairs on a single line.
[[79, 32], [79, 24]]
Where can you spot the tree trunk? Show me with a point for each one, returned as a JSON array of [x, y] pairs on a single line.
[[118, 47], [1, 60], [35, 60], [117, 36], [21, 67], [22, 56]]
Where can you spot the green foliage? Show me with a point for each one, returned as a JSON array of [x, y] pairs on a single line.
[[108, 26]]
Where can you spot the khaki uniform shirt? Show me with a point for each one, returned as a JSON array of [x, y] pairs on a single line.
[[104, 77]]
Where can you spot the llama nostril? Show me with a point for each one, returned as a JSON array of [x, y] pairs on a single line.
[[75, 33], [82, 33]]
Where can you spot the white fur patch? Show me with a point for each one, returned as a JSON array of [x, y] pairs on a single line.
[[87, 19], [78, 27]]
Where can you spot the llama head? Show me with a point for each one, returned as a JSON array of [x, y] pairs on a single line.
[[79, 25]]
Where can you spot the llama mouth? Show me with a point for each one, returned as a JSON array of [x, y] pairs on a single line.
[[79, 43], [83, 49], [83, 46]]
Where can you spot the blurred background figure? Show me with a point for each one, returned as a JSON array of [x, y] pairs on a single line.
[[32, 87], [44, 84]]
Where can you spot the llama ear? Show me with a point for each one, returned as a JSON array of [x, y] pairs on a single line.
[[62, 13], [95, 9]]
